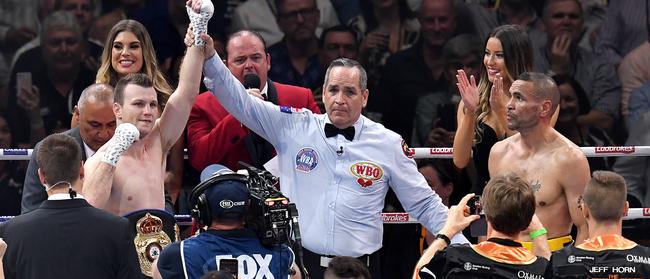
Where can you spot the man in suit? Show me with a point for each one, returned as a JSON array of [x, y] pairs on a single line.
[[96, 120], [215, 136], [66, 237]]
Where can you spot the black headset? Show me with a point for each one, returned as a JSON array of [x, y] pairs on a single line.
[[199, 201]]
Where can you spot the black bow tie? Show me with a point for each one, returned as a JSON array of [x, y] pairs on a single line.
[[331, 130]]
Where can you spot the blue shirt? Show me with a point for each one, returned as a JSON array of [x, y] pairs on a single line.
[[639, 103], [339, 195], [196, 256], [599, 80], [623, 29]]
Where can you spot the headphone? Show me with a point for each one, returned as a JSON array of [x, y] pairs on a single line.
[[199, 201]]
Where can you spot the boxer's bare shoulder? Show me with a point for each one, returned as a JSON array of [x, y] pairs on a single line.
[[137, 181], [497, 161], [139, 177], [558, 172]]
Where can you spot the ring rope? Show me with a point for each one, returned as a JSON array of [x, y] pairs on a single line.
[[418, 153], [403, 217], [421, 152]]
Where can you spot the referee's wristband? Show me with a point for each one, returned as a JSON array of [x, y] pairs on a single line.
[[444, 237], [537, 233]]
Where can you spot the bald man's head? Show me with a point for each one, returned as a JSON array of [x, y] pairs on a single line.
[[95, 115]]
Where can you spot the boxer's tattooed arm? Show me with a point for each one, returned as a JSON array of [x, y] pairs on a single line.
[[536, 185]]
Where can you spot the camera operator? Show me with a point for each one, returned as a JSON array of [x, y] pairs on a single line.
[[509, 206], [221, 202]]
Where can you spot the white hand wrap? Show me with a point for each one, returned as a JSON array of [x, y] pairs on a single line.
[[199, 21], [125, 135]]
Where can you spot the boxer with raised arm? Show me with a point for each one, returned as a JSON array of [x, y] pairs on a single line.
[[125, 176], [555, 167]]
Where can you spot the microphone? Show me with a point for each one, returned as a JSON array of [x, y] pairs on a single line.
[[340, 151], [252, 81], [72, 193]]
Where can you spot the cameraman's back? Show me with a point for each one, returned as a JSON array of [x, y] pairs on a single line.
[[221, 203], [208, 250]]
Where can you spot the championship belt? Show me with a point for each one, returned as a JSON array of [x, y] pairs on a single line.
[[154, 229]]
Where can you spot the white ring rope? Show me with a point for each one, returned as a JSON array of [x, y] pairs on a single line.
[[421, 152], [598, 151], [404, 218], [15, 154]]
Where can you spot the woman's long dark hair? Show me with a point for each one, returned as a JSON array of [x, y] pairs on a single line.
[[518, 56]]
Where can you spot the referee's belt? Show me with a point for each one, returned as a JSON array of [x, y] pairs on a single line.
[[325, 259], [554, 243]]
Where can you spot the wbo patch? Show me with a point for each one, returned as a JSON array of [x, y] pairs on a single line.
[[408, 152], [289, 110], [306, 160], [366, 173]]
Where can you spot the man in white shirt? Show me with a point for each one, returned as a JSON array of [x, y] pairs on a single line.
[[336, 167]]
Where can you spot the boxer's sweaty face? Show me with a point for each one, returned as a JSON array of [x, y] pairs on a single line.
[[140, 108], [523, 107]]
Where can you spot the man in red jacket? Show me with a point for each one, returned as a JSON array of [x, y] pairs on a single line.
[[215, 136]]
